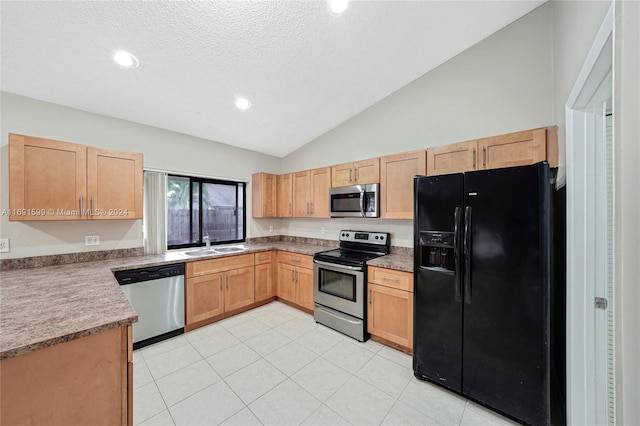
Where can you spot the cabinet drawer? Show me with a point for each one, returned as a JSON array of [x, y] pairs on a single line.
[[210, 266], [391, 278], [301, 260], [263, 257]]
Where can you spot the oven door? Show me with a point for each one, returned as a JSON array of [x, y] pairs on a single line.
[[339, 287]]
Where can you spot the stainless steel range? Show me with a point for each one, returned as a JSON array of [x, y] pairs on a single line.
[[340, 278]]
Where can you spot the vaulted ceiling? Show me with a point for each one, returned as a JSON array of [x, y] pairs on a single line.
[[303, 69]]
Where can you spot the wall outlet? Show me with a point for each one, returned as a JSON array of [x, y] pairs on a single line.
[[322, 230], [270, 228], [92, 240], [4, 245]]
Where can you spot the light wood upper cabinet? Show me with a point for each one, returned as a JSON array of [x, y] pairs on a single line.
[[264, 195], [285, 195], [396, 183], [301, 191], [453, 158], [114, 184], [46, 176], [320, 182], [513, 149], [509, 150], [311, 192], [357, 173], [54, 180]]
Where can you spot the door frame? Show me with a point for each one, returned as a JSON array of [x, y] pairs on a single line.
[[584, 370]]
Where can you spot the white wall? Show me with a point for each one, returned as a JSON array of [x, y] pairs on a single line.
[[500, 85], [627, 232], [162, 149]]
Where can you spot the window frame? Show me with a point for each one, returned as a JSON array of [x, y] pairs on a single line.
[[201, 181]]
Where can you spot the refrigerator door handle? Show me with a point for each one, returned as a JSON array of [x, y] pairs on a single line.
[[467, 255], [457, 253]]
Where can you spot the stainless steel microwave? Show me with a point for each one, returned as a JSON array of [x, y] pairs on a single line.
[[355, 201]]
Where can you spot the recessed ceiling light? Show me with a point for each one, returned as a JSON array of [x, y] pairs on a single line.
[[125, 59], [243, 103], [337, 7]]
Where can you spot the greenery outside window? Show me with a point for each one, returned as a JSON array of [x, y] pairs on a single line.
[[197, 207]]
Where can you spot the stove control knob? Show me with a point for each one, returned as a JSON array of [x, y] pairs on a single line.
[[342, 234], [382, 237], [347, 235], [377, 237]]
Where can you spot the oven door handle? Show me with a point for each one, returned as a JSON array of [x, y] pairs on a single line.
[[335, 265], [362, 193]]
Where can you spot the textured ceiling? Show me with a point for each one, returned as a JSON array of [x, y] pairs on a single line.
[[304, 70]]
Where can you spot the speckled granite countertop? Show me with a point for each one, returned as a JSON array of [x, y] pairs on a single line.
[[399, 262], [42, 307]]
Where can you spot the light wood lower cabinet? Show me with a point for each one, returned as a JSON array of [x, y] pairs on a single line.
[[204, 297], [87, 381], [216, 286], [264, 270], [390, 313], [295, 279]]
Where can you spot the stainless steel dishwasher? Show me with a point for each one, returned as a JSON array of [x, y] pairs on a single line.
[[157, 295]]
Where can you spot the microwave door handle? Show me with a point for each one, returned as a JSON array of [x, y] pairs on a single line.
[[362, 194]]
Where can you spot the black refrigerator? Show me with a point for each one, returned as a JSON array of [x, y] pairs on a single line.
[[482, 284]]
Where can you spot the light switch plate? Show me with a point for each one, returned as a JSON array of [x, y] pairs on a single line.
[[4, 245]]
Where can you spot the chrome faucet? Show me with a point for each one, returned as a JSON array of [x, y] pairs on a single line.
[[207, 242]]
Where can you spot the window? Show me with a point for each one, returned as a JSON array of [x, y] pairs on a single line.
[[197, 207]]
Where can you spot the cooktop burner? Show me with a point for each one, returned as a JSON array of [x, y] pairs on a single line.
[[357, 247], [350, 254]]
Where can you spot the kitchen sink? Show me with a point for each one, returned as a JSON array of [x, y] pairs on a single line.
[[201, 252], [229, 249]]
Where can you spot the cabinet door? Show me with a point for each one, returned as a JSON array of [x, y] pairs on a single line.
[[342, 175], [513, 149], [263, 282], [239, 289], [390, 314], [48, 176], [321, 180], [263, 195], [454, 158], [304, 288], [114, 184], [285, 195], [396, 183], [286, 282], [301, 191], [367, 171], [204, 297]]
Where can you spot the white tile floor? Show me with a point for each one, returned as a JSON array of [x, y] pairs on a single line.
[[275, 366]]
